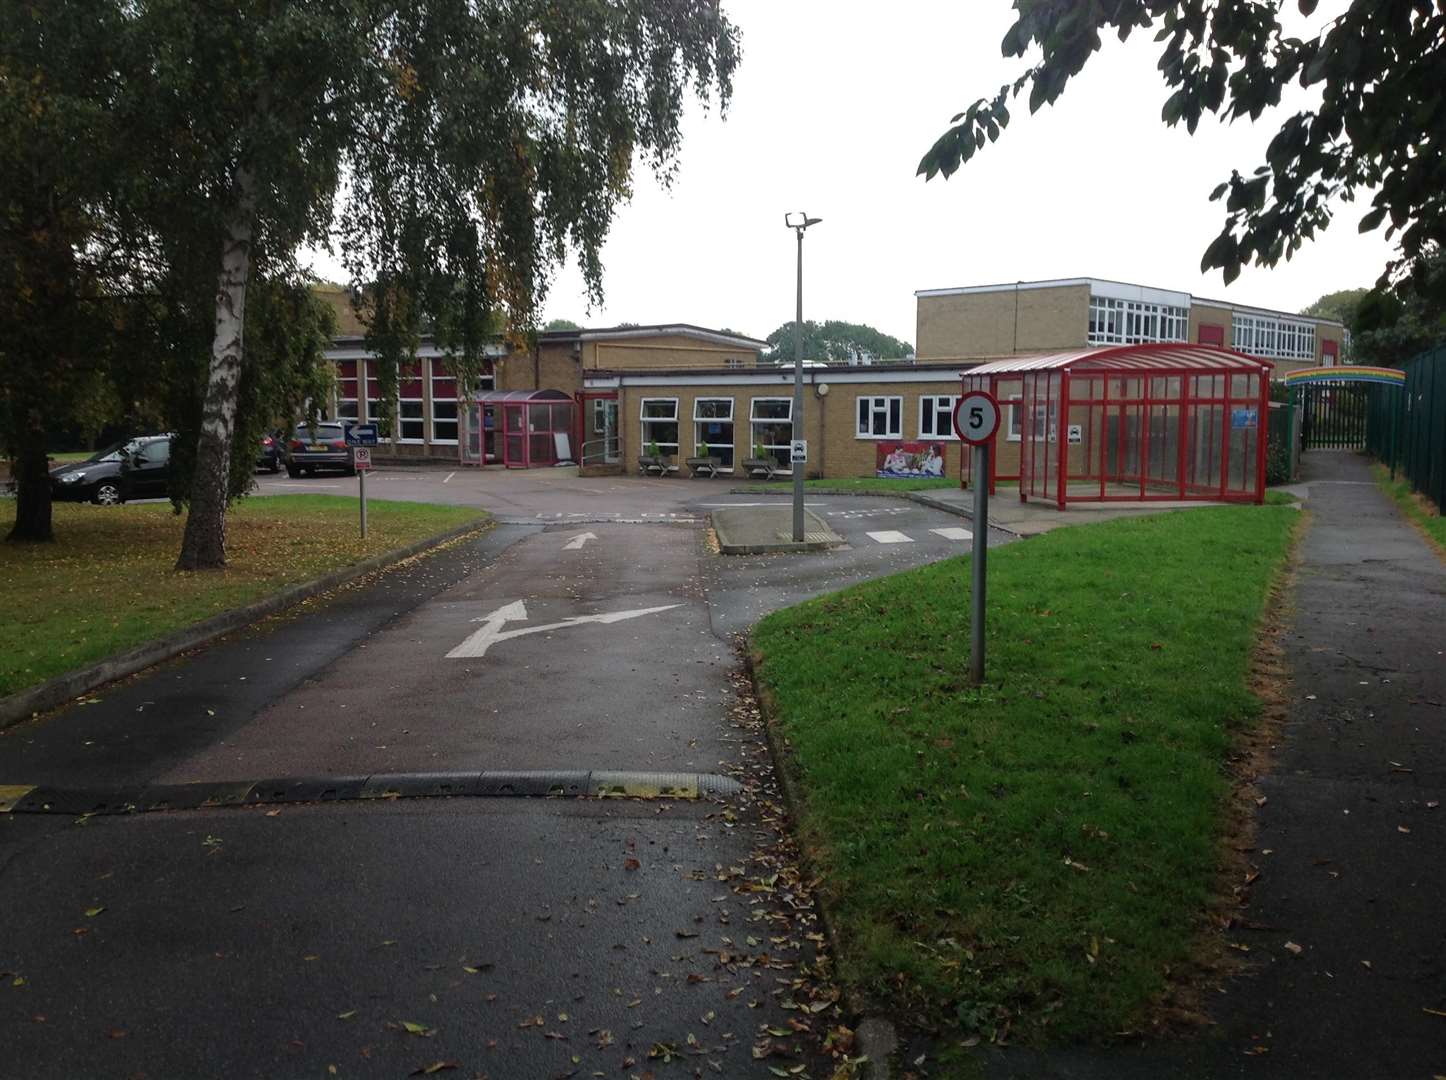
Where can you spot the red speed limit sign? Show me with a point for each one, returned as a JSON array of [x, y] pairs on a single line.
[[976, 417]]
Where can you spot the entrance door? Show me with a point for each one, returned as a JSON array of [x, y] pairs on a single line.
[[600, 438]]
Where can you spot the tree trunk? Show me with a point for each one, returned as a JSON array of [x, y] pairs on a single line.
[[32, 487], [204, 544]]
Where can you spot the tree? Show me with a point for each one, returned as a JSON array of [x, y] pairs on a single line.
[[1340, 305], [562, 324], [837, 342], [1391, 326], [1377, 130], [61, 274], [481, 140]]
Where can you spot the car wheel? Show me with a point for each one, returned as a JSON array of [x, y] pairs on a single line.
[[107, 493], [292, 471], [275, 466]]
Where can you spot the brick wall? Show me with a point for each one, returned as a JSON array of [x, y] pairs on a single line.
[[1002, 323]]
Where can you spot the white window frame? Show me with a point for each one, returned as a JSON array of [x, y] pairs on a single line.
[[435, 365], [929, 407], [878, 405], [384, 428], [419, 421], [785, 468], [1272, 337], [644, 420], [1132, 322], [729, 419], [1014, 432]]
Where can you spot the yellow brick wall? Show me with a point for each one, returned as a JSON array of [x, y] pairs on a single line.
[[830, 424], [989, 324], [555, 366], [1205, 314], [668, 351], [347, 323]]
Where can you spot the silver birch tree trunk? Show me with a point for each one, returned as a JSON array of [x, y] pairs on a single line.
[[204, 544]]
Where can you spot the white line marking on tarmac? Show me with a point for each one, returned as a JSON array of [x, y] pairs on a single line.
[[448, 477], [475, 645], [953, 533], [576, 543], [889, 536]]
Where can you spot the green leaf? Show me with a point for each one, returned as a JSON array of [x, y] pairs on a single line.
[[1373, 219], [413, 1028]]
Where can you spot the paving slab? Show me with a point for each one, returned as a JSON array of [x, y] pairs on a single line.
[[762, 530]]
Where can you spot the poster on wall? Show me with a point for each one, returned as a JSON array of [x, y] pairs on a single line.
[[909, 459]]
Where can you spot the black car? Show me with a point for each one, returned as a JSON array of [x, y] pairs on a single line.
[[98, 478], [145, 472], [320, 447], [268, 452]]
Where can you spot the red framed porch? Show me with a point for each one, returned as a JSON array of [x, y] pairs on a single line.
[[1132, 423]]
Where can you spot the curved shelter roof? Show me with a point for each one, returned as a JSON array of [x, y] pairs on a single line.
[[1162, 358], [491, 396]]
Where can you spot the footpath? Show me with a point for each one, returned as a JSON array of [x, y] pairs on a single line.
[[1346, 924]]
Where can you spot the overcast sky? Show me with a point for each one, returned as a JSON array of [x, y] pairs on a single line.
[[834, 103]]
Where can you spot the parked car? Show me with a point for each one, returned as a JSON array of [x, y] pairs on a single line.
[[269, 452], [320, 447], [145, 471], [98, 478]]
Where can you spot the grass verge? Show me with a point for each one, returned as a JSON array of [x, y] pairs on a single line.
[[108, 583], [1038, 853], [1416, 507]]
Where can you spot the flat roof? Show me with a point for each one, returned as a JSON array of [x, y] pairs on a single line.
[[1124, 290], [619, 333]]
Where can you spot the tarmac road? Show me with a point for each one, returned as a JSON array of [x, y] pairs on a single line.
[[282, 941]]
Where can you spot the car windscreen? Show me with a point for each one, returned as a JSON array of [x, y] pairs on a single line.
[[110, 453], [320, 433]]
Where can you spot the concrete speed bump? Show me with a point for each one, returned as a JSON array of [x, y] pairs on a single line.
[[768, 530], [557, 783]]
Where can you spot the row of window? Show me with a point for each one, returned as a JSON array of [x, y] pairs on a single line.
[[1268, 336], [410, 411], [1132, 322]]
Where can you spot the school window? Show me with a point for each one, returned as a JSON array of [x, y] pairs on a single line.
[[713, 429], [771, 427], [411, 424], [444, 404], [1015, 412], [374, 407], [881, 417], [660, 425], [1130, 322], [346, 377], [936, 416], [1265, 336]]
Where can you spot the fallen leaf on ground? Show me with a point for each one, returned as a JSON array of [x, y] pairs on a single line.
[[91, 913], [1293, 948], [434, 1067], [413, 1028]]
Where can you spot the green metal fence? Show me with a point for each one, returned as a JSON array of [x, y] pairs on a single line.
[[1406, 430]]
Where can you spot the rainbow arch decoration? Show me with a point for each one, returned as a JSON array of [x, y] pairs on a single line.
[[1346, 373]]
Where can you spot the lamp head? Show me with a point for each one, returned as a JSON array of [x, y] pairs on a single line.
[[799, 220]]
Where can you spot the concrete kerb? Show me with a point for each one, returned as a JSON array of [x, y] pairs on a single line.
[[57, 691], [209, 795], [923, 499], [741, 532], [874, 1035]]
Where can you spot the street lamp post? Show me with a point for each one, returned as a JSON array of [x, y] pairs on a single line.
[[798, 221]]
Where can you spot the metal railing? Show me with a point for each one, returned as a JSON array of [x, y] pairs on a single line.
[[605, 451]]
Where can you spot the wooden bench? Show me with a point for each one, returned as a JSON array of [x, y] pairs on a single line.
[[648, 465], [704, 466]]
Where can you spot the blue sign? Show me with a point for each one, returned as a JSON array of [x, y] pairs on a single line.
[[1243, 419], [361, 435]]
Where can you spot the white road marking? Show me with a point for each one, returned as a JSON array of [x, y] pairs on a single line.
[[308, 486], [448, 477], [477, 643], [578, 541], [889, 536], [952, 533]]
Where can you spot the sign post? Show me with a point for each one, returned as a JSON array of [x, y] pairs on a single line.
[[976, 421], [361, 438]]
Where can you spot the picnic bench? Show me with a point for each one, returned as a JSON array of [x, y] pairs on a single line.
[[765, 465], [649, 464], [704, 466]]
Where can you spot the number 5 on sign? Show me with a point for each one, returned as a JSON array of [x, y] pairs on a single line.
[[976, 417]]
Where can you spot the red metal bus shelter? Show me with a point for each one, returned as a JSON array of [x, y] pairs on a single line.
[[1130, 423], [523, 429]]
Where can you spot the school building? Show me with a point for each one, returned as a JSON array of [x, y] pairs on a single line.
[[609, 397]]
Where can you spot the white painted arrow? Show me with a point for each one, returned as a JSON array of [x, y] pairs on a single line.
[[477, 643], [578, 541]]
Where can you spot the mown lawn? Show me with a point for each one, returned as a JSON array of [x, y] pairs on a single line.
[[108, 585], [1034, 856], [1415, 506]]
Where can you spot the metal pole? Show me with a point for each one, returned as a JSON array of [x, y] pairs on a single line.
[[981, 554], [361, 477], [798, 467]]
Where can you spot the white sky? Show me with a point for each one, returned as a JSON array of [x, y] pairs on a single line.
[[834, 104]]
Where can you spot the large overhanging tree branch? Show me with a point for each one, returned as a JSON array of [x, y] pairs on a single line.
[[1377, 132], [481, 141]]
